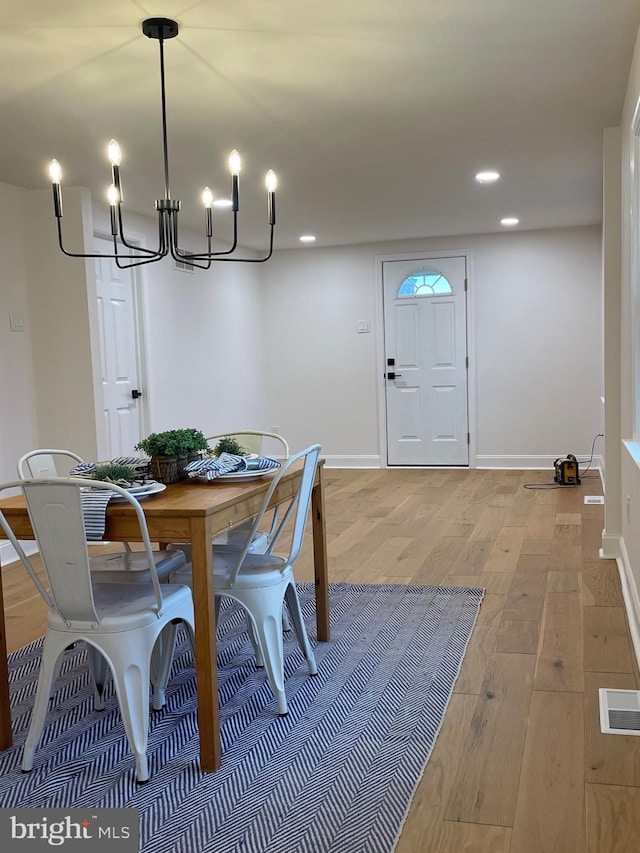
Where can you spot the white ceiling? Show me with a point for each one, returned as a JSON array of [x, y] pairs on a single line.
[[375, 115]]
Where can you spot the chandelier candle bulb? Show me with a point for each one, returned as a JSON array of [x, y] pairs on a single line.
[[115, 155], [207, 200], [113, 197], [271, 182], [235, 163], [207, 197], [55, 173]]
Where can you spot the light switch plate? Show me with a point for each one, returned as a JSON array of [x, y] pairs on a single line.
[[16, 321]]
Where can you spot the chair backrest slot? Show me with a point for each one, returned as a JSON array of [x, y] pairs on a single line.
[[42, 462], [55, 511], [253, 440]]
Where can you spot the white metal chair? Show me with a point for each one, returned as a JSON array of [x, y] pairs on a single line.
[[130, 566], [261, 583], [120, 623], [254, 441]]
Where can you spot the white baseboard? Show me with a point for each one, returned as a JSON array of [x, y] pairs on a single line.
[[610, 546], [631, 598], [353, 462], [8, 552], [534, 463]]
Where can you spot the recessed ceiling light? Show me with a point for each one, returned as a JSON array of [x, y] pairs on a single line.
[[487, 177], [509, 220], [307, 238], [222, 202]]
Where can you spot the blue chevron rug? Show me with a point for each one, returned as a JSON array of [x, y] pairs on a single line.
[[335, 776]]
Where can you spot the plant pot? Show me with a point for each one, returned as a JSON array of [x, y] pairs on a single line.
[[165, 469], [183, 461]]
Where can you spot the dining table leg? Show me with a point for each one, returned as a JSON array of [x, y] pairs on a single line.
[[320, 567], [206, 668], [6, 738]]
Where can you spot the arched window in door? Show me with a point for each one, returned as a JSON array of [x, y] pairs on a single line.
[[424, 283]]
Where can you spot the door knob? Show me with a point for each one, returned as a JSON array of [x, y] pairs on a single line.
[[135, 394], [392, 375]]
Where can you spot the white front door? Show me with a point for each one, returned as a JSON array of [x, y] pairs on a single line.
[[425, 332], [116, 322]]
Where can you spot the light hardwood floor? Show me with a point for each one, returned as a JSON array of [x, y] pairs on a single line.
[[520, 765]]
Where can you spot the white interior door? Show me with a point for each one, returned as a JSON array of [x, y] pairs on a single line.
[[426, 361], [116, 322]]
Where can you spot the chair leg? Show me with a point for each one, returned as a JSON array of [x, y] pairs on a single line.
[[252, 635], [49, 667], [265, 614], [161, 661], [99, 673], [132, 688], [286, 624], [293, 603], [256, 644]]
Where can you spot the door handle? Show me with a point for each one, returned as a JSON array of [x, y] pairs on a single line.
[[392, 375], [135, 394]]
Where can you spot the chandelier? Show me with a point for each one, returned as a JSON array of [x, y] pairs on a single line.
[[127, 254]]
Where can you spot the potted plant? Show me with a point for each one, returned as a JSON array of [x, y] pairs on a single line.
[[170, 451], [229, 445], [121, 475]]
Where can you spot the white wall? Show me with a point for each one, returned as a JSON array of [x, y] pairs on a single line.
[[611, 237], [17, 412], [203, 337], [62, 315], [536, 315], [278, 345], [630, 329]]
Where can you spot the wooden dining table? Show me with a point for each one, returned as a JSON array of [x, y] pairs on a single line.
[[192, 512]]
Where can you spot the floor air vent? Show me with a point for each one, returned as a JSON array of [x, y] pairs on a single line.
[[594, 499], [619, 711]]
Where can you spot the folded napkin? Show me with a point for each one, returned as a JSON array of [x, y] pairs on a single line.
[[94, 508], [229, 463], [84, 468]]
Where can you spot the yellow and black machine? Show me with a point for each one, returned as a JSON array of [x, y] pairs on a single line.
[[567, 472]]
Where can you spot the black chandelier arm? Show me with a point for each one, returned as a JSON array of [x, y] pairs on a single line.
[[125, 262], [188, 259], [249, 260], [182, 254], [156, 257], [122, 266], [205, 256], [121, 236]]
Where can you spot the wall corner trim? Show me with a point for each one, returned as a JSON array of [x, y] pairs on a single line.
[[631, 598]]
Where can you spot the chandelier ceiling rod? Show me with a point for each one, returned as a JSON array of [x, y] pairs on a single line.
[[168, 209]]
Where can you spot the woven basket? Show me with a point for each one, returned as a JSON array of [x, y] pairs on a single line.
[[165, 469]]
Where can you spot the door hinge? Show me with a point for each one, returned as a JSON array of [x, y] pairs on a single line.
[[468, 438], [466, 285], [466, 362]]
